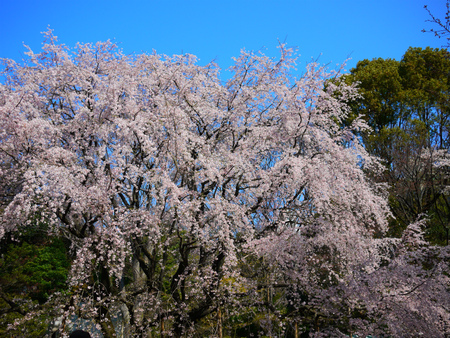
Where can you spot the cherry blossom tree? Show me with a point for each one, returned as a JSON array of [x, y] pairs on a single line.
[[184, 196]]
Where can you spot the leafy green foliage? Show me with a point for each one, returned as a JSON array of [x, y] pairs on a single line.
[[406, 104], [380, 86], [32, 267], [33, 270]]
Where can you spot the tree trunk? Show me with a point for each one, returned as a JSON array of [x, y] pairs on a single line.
[[219, 322], [106, 323]]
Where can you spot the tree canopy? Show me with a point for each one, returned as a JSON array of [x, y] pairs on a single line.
[[196, 206]]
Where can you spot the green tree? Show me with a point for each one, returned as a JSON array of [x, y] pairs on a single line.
[[380, 85], [406, 103], [425, 77]]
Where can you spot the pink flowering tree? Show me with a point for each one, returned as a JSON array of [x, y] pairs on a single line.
[[184, 196]]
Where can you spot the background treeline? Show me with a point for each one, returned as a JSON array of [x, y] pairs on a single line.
[[407, 105]]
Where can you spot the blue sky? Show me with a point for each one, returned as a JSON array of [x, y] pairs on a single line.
[[217, 30]]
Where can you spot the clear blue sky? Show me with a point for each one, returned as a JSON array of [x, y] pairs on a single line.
[[331, 29]]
